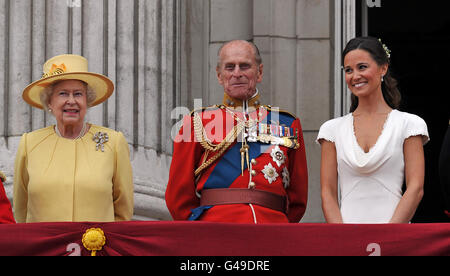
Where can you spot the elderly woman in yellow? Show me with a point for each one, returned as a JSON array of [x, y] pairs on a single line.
[[74, 171]]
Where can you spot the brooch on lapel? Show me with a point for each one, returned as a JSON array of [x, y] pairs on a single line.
[[100, 138]]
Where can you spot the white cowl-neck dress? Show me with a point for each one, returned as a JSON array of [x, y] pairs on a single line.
[[370, 184]]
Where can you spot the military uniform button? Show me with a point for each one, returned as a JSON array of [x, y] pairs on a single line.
[[253, 172], [254, 162], [252, 185]]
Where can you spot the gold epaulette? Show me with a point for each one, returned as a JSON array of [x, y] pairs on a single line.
[[2, 176], [269, 107]]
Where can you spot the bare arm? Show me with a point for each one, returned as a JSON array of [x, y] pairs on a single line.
[[329, 183], [414, 174]]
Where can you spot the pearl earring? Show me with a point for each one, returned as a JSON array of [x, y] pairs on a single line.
[[382, 78]]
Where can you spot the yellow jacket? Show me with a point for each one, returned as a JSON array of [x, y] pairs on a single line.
[[59, 179]]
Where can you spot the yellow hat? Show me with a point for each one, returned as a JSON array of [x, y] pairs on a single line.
[[68, 67]]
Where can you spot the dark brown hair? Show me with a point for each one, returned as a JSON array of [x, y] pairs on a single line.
[[375, 48]]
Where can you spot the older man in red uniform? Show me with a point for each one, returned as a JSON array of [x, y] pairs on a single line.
[[6, 215], [239, 161]]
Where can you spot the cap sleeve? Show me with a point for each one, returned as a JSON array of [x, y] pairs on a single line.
[[327, 131], [416, 126]]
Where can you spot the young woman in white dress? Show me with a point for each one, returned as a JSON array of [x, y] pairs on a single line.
[[369, 153]]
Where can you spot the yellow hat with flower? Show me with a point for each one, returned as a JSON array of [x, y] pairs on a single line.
[[68, 67]]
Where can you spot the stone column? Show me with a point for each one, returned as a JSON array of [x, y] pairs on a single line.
[[315, 92], [275, 35]]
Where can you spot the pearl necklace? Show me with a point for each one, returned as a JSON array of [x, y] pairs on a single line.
[[81, 134]]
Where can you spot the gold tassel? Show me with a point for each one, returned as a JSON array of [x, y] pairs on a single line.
[[244, 155], [242, 161]]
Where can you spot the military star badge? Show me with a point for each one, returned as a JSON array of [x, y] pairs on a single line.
[[270, 173], [278, 155]]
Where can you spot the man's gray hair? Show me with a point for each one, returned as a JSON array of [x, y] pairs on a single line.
[[256, 52]]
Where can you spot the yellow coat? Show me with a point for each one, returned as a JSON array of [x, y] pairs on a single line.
[[59, 179]]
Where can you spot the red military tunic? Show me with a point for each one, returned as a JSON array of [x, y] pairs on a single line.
[[285, 176], [6, 215]]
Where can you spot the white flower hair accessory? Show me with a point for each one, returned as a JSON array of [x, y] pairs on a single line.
[[386, 49]]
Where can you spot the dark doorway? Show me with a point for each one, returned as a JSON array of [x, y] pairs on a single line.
[[418, 34]]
